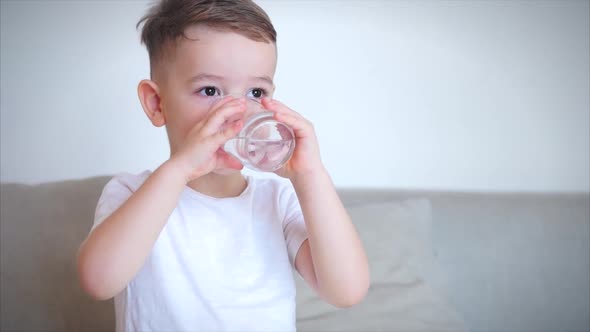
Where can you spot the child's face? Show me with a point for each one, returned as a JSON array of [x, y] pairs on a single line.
[[209, 65]]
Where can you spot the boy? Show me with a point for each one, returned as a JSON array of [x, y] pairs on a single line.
[[195, 245]]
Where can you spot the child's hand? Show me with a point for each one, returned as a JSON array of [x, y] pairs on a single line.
[[306, 157], [200, 152]]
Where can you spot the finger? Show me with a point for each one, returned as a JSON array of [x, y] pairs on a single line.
[[222, 101], [230, 101], [278, 107], [233, 118], [275, 105], [266, 102], [233, 103], [218, 118], [300, 125], [199, 125], [222, 136]]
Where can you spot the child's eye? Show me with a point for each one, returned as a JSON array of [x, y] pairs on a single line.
[[256, 93], [209, 91]]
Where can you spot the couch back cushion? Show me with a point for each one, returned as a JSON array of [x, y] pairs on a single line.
[[406, 282], [41, 229]]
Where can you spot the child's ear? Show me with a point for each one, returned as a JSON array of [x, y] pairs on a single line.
[[149, 96]]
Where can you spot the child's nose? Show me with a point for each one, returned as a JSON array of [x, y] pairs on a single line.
[[252, 107], [235, 96]]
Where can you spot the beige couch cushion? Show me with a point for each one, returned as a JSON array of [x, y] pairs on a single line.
[[406, 282], [43, 225], [41, 229]]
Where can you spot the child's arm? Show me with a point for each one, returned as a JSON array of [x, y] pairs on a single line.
[[116, 249], [332, 260]]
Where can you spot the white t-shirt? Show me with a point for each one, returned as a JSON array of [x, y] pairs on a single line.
[[219, 264]]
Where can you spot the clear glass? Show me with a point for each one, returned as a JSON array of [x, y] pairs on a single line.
[[263, 144]]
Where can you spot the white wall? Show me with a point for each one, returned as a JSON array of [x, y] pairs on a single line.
[[462, 95]]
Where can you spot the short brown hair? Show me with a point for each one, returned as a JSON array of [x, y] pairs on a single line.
[[167, 20]]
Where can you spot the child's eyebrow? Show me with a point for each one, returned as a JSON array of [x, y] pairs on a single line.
[[212, 77], [200, 77], [265, 79]]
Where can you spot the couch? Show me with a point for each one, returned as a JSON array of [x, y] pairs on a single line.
[[440, 261]]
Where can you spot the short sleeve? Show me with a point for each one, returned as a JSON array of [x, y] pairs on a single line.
[[294, 228], [115, 193]]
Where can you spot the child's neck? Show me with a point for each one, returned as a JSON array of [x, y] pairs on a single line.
[[220, 186]]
